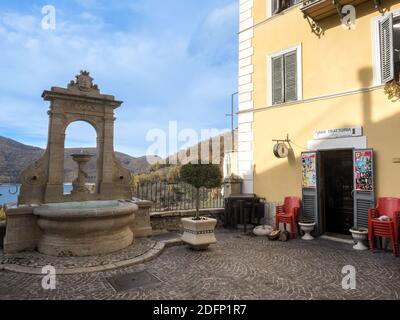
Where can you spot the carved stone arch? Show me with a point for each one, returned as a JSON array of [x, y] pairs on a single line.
[[42, 182], [96, 124]]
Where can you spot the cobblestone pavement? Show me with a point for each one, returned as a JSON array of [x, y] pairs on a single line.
[[237, 267], [38, 260]]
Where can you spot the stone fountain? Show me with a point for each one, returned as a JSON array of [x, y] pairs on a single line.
[[79, 185], [81, 223]]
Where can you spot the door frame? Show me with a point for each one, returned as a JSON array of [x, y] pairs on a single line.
[[320, 216]]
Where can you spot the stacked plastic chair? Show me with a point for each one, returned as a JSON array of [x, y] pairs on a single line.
[[387, 227], [288, 213]]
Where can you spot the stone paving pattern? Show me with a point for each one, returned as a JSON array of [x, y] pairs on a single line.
[[36, 259], [237, 267]]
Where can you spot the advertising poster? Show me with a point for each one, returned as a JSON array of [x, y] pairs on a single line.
[[363, 170], [309, 170]]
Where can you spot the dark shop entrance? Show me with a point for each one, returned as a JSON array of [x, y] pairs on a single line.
[[336, 186]]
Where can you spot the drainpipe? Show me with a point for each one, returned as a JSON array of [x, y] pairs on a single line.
[[232, 115]]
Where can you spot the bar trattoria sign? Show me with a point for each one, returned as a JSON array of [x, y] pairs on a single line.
[[338, 133]]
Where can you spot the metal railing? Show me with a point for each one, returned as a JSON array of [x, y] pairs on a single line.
[[167, 196]]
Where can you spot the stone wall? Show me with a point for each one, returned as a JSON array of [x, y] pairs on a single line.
[[22, 231], [171, 220], [141, 225]]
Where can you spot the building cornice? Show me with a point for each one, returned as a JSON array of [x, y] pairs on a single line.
[[313, 99]]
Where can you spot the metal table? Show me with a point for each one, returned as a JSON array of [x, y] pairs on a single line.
[[243, 208]]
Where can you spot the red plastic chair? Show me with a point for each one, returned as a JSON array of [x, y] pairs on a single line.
[[388, 229], [287, 213]]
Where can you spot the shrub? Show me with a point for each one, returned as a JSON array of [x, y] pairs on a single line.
[[199, 176]]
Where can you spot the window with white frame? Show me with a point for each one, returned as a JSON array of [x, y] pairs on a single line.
[[387, 42], [285, 76], [277, 6]]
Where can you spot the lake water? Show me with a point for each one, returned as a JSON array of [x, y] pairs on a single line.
[[9, 193]]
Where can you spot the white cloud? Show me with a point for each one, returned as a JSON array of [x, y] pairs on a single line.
[[19, 23], [213, 38]]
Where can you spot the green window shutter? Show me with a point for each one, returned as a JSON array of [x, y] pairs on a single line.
[[291, 76], [386, 48], [277, 80]]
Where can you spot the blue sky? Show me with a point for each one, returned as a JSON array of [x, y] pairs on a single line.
[[166, 59]]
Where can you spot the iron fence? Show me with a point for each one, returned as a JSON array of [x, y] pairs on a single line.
[[170, 196]]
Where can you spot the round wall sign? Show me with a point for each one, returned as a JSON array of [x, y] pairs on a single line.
[[281, 150]]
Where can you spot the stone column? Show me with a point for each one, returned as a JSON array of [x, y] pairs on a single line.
[[100, 143], [55, 182], [107, 184]]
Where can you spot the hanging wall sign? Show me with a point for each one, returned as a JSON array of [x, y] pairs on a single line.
[[338, 133], [309, 170], [281, 150], [363, 170]]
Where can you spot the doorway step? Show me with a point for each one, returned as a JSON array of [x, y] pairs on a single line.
[[337, 237]]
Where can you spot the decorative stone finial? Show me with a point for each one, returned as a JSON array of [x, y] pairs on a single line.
[[83, 82]]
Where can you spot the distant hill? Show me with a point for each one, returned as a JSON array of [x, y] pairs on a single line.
[[15, 156], [225, 145], [169, 168]]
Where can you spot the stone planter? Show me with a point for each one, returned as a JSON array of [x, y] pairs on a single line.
[[199, 234], [359, 236], [307, 227], [232, 185]]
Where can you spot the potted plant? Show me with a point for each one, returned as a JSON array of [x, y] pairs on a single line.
[[198, 231], [307, 225], [392, 90], [359, 235]]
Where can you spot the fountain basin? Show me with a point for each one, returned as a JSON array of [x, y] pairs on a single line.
[[85, 228]]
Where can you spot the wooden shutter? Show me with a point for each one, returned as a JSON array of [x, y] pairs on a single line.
[[291, 76], [310, 190], [277, 80], [386, 48]]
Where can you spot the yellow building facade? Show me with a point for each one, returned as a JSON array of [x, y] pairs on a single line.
[[306, 75]]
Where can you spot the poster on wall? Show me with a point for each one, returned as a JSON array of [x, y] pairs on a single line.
[[363, 170], [309, 170]]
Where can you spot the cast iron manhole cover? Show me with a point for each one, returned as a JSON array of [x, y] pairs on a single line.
[[167, 236], [133, 280]]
